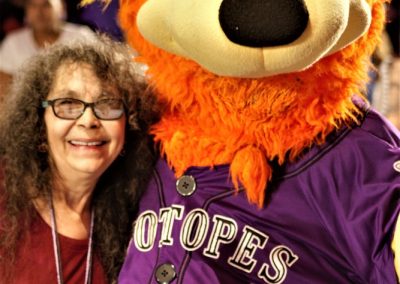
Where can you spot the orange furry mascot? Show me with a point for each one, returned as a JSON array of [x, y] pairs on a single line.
[[275, 170]]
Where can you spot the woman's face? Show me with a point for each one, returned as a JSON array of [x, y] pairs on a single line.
[[86, 145]]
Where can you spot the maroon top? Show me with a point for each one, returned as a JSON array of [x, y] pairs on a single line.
[[36, 261]]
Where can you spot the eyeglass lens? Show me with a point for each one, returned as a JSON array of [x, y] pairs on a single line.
[[103, 109]]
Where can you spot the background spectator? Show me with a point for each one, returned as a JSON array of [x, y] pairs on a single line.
[[45, 25]]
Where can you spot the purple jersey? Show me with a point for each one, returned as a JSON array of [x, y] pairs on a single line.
[[328, 218]]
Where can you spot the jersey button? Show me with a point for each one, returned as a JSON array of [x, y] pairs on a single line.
[[165, 273], [396, 166], [186, 185]]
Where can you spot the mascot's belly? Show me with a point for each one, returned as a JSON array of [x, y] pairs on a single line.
[[314, 227]]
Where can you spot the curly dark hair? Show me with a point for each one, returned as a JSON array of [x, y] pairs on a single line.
[[27, 170]]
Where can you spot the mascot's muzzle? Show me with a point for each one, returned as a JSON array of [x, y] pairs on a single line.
[[263, 23], [253, 38]]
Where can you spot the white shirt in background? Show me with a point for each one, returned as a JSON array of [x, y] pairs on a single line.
[[20, 45]]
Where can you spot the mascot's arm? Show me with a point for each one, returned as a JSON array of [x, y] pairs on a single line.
[[396, 247]]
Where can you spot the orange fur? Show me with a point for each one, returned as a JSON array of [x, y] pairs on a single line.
[[247, 122]]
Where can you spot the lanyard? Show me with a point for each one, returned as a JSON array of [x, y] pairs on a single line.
[[57, 249]]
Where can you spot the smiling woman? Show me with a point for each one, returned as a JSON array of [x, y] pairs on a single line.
[[83, 140], [73, 138]]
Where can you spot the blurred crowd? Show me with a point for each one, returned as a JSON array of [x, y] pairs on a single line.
[[27, 26], [384, 88], [12, 16]]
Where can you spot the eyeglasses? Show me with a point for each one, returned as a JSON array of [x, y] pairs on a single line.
[[68, 108]]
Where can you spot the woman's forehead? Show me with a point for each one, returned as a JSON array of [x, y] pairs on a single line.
[[66, 67], [77, 79]]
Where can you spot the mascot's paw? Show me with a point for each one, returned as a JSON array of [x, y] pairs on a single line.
[[254, 179]]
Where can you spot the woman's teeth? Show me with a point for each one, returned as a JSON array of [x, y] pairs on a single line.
[[82, 143]]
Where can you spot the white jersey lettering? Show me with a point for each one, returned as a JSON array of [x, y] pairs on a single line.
[[145, 230], [194, 229], [224, 231], [167, 217], [250, 241], [280, 257], [193, 233]]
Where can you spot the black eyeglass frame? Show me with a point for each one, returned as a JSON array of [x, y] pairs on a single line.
[[47, 103]]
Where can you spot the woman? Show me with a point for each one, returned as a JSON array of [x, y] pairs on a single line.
[[76, 155]]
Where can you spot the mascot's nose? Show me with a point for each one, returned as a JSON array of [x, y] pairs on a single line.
[[263, 23]]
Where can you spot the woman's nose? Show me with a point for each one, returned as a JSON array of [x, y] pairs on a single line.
[[88, 119], [263, 23]]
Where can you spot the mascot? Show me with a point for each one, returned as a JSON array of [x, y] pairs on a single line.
[[273, 168]]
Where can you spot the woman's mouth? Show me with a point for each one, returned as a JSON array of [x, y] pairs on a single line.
[[87, 143]]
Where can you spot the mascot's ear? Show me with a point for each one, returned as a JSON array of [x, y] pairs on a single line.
[[358, 23]]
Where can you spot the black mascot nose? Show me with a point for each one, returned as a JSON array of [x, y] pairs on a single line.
[[263, 23]]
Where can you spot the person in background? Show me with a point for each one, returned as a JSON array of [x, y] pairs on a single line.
[[45, 25], [76, 156]]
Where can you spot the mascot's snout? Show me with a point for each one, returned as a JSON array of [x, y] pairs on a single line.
[[258, 38], [263, 23]]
